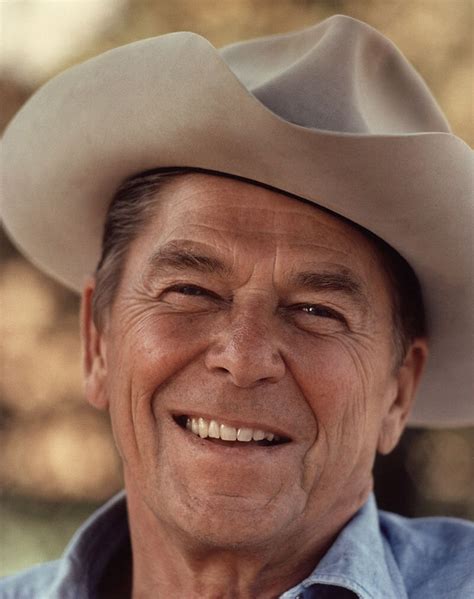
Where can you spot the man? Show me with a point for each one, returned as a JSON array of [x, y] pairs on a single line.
[[251, 325]]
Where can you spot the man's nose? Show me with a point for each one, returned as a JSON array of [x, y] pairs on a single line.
[[247, 351]]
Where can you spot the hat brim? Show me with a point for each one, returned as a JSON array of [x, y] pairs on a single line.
[[173, 101]]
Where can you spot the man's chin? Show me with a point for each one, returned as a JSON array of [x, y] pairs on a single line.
[[230, 521], [230, 528]]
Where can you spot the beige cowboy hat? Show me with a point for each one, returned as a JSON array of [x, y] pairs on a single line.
[[334, 114]]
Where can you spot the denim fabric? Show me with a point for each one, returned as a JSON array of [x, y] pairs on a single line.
[[377, 555]]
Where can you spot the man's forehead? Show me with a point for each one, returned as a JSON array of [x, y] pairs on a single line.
[[237, 207]]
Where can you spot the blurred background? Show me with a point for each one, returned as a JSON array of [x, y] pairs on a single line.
[[58, 461]]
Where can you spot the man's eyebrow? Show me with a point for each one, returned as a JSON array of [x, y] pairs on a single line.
[[184, 257], [343, 282], [175, 256]]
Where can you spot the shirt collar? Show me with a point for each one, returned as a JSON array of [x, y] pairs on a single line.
[[359, 560], [90, 550]]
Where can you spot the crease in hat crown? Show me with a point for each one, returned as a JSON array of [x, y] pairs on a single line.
[[333, 99], [333, 113]]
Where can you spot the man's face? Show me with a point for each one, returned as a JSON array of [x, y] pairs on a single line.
[[262, 313]]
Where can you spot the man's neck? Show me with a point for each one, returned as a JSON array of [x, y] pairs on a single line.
[[178, 572], [166, 563]]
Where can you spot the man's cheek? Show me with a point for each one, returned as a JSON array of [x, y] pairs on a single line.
[[167, 345], [338, 399], [334, 442]]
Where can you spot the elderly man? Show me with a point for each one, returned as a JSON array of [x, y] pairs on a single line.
[[251, 325]]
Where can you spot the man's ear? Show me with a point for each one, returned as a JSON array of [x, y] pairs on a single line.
[[94, 352], [407, 381]]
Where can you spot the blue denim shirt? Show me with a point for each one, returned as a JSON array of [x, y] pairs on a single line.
[[377, 555]]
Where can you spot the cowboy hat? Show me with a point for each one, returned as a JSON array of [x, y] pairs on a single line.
[[333, 114]]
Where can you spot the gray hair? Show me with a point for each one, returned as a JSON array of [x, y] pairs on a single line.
[[135, 202]]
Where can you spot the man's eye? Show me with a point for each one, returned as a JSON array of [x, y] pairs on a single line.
[[188, 290], [191, 291], [320, 311]]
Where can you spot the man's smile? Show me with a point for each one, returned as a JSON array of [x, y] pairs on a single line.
[[217, 431]]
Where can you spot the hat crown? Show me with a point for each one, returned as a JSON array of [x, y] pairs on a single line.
[[340, 75]]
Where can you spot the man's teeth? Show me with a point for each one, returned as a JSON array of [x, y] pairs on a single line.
[[216, 430]]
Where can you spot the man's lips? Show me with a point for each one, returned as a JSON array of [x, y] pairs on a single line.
[[215, 429]]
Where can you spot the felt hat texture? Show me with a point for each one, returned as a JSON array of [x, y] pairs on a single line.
[[334, 114]]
